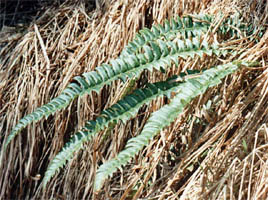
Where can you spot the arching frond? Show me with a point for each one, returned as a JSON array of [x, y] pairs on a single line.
[[154, 48], [158, 48], [158, 54]]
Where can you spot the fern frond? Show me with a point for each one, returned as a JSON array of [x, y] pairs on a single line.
[[164, 117], [125, 109], [158, 54], [153, 48]]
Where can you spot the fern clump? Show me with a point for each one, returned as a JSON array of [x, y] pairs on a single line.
[[155, 49], [156, 52]]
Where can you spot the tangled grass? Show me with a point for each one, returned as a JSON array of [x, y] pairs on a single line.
[[217, 149]]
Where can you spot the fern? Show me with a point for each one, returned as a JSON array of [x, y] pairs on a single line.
[[158, 48], [153, 48], [157, 55], [156, 43], [165, 116]]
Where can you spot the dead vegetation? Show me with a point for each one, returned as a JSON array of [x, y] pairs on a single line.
[[210, 152]]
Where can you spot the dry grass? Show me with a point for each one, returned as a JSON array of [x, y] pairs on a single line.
[[216, 153]]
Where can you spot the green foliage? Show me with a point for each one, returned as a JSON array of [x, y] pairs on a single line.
[[157, 52], [158, 48]]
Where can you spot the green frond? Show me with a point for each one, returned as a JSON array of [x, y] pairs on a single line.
[[165, 116], [125, 109], [58, 103], [158, 54]]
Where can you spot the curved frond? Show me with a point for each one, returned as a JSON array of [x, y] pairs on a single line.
[[125, 109], [149, 48], [164, 117], [158, 54]]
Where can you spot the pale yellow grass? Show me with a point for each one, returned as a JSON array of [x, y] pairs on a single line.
[[220, 153]]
